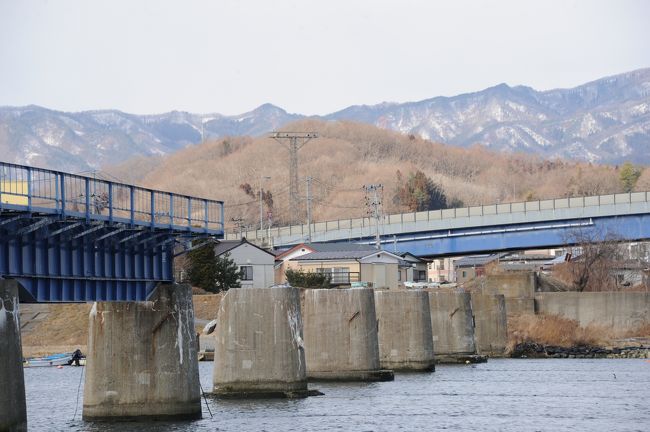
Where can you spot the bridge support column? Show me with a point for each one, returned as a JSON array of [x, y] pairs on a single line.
[[341, 339], [452, 325], [258, 344], [490, 317], [13, 411], [142, 359], [405, 337]]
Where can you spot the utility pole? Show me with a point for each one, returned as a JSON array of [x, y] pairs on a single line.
[[309, 206], [239, 223], [261, 207], [293, 141], [374, 194]]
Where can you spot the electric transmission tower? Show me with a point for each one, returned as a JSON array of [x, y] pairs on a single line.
[[293, 141], [374, 196]]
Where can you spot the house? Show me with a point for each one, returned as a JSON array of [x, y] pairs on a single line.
[[256, 264], [441, 270], [347, 263], [412, 269], [284, 260], [469, 267]]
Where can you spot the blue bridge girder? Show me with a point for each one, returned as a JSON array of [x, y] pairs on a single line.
[[538, 235], [483, 229], [70, 238]]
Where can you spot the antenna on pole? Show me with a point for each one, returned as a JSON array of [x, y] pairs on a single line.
[[293, 141]]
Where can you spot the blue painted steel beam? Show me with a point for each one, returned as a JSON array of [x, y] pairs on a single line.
[[93, 266], [517, 237]]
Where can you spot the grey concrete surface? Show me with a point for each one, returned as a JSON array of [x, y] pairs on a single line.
[[491, 324], [258, 344], [13, 411], [341, 341], [452, 325], [142, 359], [405, 337], [618, 310]]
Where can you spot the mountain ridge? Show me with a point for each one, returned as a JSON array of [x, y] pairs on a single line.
[[602, 121]]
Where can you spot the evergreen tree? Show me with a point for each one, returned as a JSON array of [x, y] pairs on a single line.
[[228, 274], [629, 175], [212, 273], [419, 193], [202, 267]]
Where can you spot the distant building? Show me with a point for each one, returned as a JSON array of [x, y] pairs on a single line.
[[441, 270], [255, 264], [345, 263], [470, 267], [412, 269]]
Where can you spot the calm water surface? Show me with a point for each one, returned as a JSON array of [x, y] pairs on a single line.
[[502, 395]]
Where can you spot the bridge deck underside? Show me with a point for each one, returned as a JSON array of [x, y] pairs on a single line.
[[76, 260], [522, 236], [486, 239]]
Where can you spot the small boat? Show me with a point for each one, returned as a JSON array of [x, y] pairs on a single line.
[[62, 359]]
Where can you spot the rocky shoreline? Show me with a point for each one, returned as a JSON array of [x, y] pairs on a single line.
[[535, 350]]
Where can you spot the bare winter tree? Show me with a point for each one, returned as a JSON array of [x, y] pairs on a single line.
[[595, 254]]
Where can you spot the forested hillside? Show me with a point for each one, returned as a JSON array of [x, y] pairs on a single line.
[[348, 155]]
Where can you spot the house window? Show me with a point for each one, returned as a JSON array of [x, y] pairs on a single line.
[[464, 273], [442, 265], [422, 275], [399, 275], [246, 272]]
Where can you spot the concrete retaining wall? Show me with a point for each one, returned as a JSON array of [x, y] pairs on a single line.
[[452, 325], [517, 288], [142, 358], [341, 341], [490, 320], [612, 309], [259, 348], [511, 285], [405, 337], [13, 412]]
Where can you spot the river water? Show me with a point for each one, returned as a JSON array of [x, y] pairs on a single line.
[[502, 395]]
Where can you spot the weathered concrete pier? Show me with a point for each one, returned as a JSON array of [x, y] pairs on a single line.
[[491, 324], [13, 412], [452, 326], [405, 335], [258, 344], [142, 359], [341, 341]]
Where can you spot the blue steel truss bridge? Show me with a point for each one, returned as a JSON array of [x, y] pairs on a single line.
[[72, 238]]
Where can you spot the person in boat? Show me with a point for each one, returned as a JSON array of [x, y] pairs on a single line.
[[76, 357]]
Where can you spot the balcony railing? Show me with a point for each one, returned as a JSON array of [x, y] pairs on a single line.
[[342, 278]]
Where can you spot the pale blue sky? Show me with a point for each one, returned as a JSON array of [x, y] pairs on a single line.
[[312, 57]]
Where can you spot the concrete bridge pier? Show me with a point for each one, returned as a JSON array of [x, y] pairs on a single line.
[[13, 411], [142, 359], [491, 324], [452, 324], [258, 344], [405, 337], [341, 341]]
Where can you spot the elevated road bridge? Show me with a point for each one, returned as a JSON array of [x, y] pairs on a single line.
[[481, 229]]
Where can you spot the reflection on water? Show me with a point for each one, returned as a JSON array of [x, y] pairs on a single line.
[[502, 395]]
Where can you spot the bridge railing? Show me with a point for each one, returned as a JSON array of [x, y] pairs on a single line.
[[444, 214], [71, 195]]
